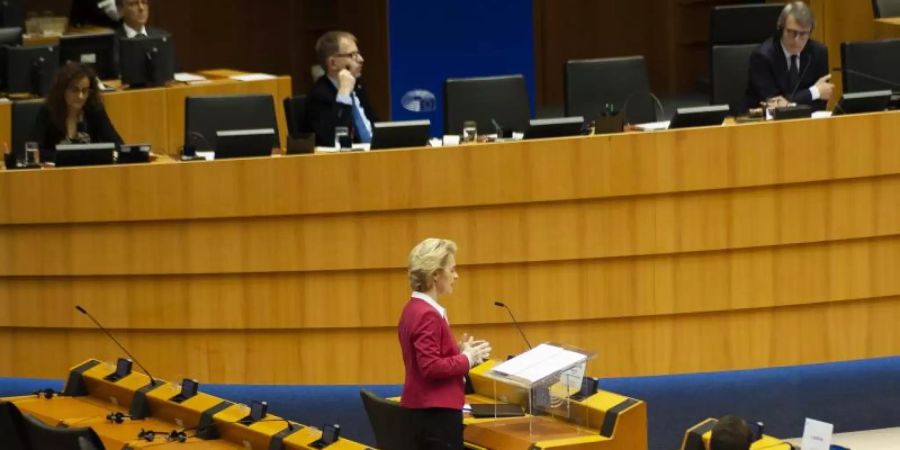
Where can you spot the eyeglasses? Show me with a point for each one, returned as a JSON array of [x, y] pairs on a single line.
[[351, 55], [796, 34], [77, 90]]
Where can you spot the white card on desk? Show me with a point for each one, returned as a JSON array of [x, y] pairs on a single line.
[[816, 435]]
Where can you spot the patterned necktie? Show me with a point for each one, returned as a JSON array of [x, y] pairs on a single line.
[[359, 123], [793, 74]]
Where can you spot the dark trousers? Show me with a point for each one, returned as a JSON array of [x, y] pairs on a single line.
[[438, 428]]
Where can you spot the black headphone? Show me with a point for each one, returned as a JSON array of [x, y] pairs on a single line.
[[172, 436], [117, 417], [46, 393]]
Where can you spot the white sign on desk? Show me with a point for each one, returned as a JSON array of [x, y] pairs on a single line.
[[816, 435]]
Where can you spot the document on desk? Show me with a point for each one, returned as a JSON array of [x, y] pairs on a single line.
[[253, 77], [539, 363]]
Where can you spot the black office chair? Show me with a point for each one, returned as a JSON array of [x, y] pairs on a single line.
[[295, 115], [12, 428], [503, 99], [590, 84], [390, 422], [886, 8], [205, 115], [743, 24], [728, 75], [24, 114], [871, 65], [42, 436]]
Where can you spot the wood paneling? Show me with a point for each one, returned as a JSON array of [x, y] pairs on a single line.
[[274, 36], [782, 238]]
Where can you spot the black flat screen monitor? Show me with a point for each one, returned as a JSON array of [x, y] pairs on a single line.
[[555, 127], [12, 13], [146, 61], [84, 154], [30, 69], [244, 143], [11, 36], [97, 50], [404, 133], [862, 102], [700, 116]]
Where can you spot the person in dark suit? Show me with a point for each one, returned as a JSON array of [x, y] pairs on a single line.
[[135, 15], [790, 67], [73, 112], [98, 13], [435, 364], [339, 98]]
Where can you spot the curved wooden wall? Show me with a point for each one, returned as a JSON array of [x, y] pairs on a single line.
[[689, 250]]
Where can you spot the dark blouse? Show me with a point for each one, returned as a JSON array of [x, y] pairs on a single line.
[[94, 127]]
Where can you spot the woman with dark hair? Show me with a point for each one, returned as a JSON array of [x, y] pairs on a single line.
[[73, 112]]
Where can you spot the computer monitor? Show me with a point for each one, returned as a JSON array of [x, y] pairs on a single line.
[[554, 127], [12, 13], [30, 70], [84, 154], [146, 61], [10, 35], [244, 143], [404, 133], [861, 102], [699, 116], [97, 50]]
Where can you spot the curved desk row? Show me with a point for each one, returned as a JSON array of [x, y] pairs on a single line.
[[691, 250]]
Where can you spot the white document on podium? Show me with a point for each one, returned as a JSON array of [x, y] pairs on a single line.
[[539, 363]]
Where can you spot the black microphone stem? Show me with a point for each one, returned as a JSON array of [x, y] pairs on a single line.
[[84, 311], [515, 322]]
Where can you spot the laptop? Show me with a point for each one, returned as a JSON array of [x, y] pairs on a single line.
[[84, 154], [244, 143]]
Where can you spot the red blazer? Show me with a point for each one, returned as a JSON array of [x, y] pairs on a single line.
[[434, 365]]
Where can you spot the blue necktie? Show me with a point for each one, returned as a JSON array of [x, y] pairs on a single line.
[[360, 123]]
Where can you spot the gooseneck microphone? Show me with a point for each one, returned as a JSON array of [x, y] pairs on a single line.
[[104, 330], [892, 84], [514, 321]]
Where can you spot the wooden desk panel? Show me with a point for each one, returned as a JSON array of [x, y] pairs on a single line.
[[139, 116], [5, 124], [646, 243], [888, 28]]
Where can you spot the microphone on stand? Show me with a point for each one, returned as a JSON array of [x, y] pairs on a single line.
[[104, 330], [514, 321]]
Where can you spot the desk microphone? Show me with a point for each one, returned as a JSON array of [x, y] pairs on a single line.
[[84, 311], [514, 321], [892, 84]]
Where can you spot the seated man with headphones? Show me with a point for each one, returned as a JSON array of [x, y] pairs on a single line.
[[790, 67]]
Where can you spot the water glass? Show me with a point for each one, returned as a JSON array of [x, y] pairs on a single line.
[[342, 137], [32, 154], [470, 131]]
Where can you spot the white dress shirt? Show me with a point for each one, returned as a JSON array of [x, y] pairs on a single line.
[[131, 32]]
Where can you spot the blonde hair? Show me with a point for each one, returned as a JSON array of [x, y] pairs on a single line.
[[425, 259]]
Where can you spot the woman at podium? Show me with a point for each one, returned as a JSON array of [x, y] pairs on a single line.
[[434, 388]]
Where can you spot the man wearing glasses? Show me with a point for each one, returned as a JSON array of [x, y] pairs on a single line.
[[790, 67], [135, 15], [338, 99]]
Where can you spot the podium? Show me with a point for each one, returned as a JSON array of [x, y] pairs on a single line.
[[544, 389], [209, 422]]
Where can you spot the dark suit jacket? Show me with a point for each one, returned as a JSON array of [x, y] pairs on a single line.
[[151, 32], [768, 75], [323, 112], [96, 124], [434, 365]]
